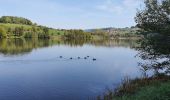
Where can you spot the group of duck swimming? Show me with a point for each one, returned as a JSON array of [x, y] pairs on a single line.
[[94, 59]]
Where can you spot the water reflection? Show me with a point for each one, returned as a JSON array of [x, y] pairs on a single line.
[[49, 73], [21, 46], [155, 51], [25, 46]]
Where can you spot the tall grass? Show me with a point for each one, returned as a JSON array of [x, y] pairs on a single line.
[[129, 87]]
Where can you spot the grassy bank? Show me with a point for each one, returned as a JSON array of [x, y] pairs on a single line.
[[156, 91], [153, 88]]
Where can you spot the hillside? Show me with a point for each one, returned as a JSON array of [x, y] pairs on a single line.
[[18, 27], [29, 28]]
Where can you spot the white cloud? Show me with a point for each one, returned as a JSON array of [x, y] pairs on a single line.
[[121, 7], [52, 13], [110, 6]]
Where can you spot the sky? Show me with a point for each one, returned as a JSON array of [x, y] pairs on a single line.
[[74, 14]]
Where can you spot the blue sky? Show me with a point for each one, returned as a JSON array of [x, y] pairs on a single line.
[[74, 14]]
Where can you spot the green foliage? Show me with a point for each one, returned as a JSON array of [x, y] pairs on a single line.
[[100, 33], [15, 20], [156, 91], [116, 32], [153, 88], [43, 35], [77, 34], [18, 27], [18, 31], [46, 30], [155, 16], [2, 32], [29, 31], [28, 35]]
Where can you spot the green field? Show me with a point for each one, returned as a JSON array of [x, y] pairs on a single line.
[[29, 27]]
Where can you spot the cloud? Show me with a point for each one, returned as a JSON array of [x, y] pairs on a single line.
[[110, 6], [120, 7], [73, 14]]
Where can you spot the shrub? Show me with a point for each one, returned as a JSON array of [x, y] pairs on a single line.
[[3, 32]]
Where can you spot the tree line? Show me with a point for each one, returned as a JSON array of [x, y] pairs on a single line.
[[17, 27], [25, 32], [15, 20], [74, 34]]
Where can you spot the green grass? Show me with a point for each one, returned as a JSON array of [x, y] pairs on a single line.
[[54, 32], [15, 25], [152, 88], [156, 91]]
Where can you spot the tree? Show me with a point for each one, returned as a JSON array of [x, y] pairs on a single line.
[[27, 35], [18, 31], [46, 30], [15, 20], [155, 53], [77, 34], [2, 32], [155, 16]]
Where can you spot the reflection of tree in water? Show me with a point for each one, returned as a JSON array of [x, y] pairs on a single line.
[[102, 42], [116, 43], [13, 46], [20, 46], [155, 51], [24, 46]]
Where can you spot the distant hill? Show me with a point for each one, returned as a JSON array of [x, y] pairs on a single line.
[[115, 32], [19, 27]]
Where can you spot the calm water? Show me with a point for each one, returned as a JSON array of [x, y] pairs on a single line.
[[33, 69]]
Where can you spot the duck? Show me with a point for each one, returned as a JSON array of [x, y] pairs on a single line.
[[94, 59]]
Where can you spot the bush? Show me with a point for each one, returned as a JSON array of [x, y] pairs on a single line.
[[28, 35], [3, 32], [15, 20]]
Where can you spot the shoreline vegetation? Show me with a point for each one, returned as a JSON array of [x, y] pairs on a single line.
[[148, 88], [18, 27], [154, 84], [154, 23]]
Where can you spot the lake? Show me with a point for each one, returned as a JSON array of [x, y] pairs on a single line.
[[64, 70]]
